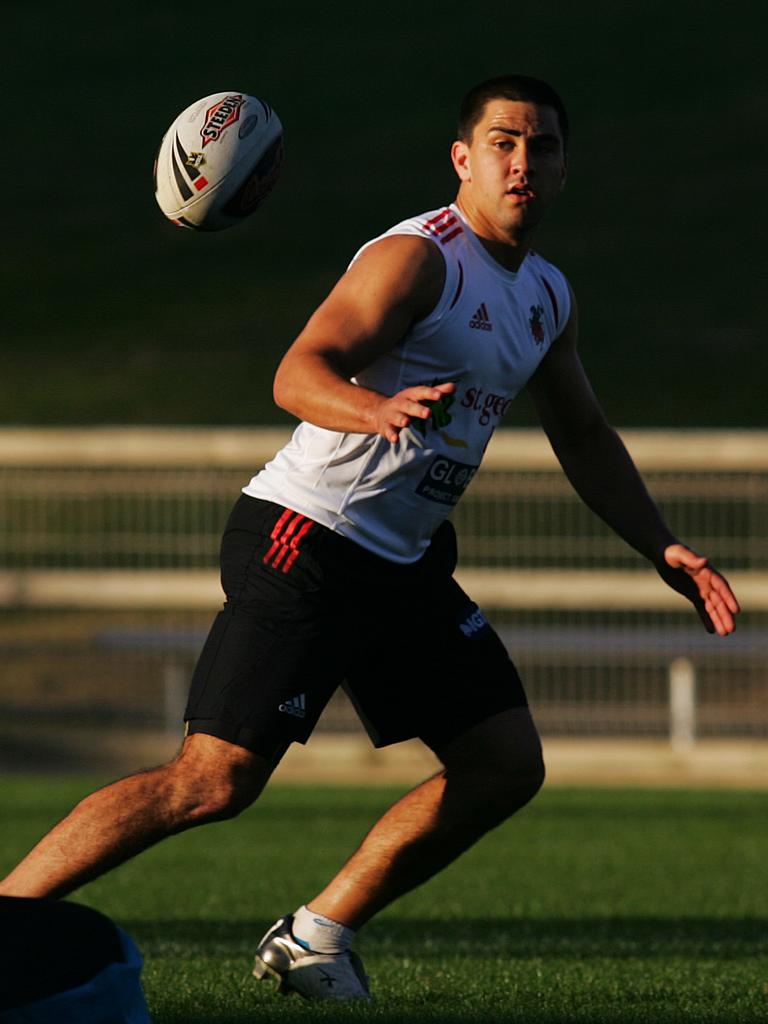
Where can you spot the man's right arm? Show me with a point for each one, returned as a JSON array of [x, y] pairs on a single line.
[[394, 283]]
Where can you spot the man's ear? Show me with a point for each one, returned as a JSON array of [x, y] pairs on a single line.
[[460, 160], [564, 173]]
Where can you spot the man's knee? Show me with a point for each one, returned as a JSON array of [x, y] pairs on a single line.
[[524, 781], [506, 787], [499, 760], [214, 780]]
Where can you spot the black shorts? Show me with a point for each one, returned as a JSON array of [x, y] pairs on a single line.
[[308, 610]]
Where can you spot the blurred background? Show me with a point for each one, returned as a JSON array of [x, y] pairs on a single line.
[[116, 324]]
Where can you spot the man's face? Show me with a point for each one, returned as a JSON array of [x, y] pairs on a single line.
[[513, 168]]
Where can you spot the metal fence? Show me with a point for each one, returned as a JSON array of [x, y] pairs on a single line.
[[108, 556]]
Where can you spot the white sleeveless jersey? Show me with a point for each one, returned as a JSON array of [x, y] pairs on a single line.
[[488, 333]]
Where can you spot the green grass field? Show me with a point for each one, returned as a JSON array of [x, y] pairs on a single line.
[[593, 906]]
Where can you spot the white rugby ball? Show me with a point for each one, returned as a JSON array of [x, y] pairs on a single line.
[[218, 161]]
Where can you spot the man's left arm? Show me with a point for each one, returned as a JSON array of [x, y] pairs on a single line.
[[604, 476]]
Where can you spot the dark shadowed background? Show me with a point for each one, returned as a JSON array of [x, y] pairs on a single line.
[[112, 315]]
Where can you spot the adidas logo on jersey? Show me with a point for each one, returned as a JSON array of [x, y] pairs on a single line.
[[295, 706], [481, 321]]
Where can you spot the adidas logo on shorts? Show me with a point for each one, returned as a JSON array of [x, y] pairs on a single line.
[[295, 706]]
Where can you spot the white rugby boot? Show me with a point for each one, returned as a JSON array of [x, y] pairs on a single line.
[[313, 975]]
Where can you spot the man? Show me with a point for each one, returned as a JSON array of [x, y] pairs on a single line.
[[337, 560]]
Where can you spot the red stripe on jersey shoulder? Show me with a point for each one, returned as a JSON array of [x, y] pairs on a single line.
[[447, 212], [452, 234], [440, 223]]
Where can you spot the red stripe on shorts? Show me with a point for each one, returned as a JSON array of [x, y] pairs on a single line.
[[276, 533], [286, 541], [295, 544]]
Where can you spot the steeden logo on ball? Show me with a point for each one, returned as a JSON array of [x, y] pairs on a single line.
[[208, 187], [219, 117]]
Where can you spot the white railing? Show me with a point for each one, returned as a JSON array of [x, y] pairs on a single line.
[[104, 529]]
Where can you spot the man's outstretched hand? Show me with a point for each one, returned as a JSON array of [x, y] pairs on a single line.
[[692, 576]]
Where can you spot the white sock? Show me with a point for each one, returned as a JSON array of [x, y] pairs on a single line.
[[319, 933]]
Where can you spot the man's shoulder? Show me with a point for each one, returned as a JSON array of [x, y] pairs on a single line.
[[439, 226], [416, 253], [539, 264], [415, 240], [550, 280], [545, 272]]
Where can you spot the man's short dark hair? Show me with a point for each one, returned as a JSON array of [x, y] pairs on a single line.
[[509, 87]]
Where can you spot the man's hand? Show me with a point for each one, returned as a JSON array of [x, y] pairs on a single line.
[[395, 283], [692, 576], [396, 413]]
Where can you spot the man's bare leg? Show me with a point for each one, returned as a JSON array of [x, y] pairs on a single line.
[[209, 780], [490, 772]]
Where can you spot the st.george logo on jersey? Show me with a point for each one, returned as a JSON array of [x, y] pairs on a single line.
[[536, 325]]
